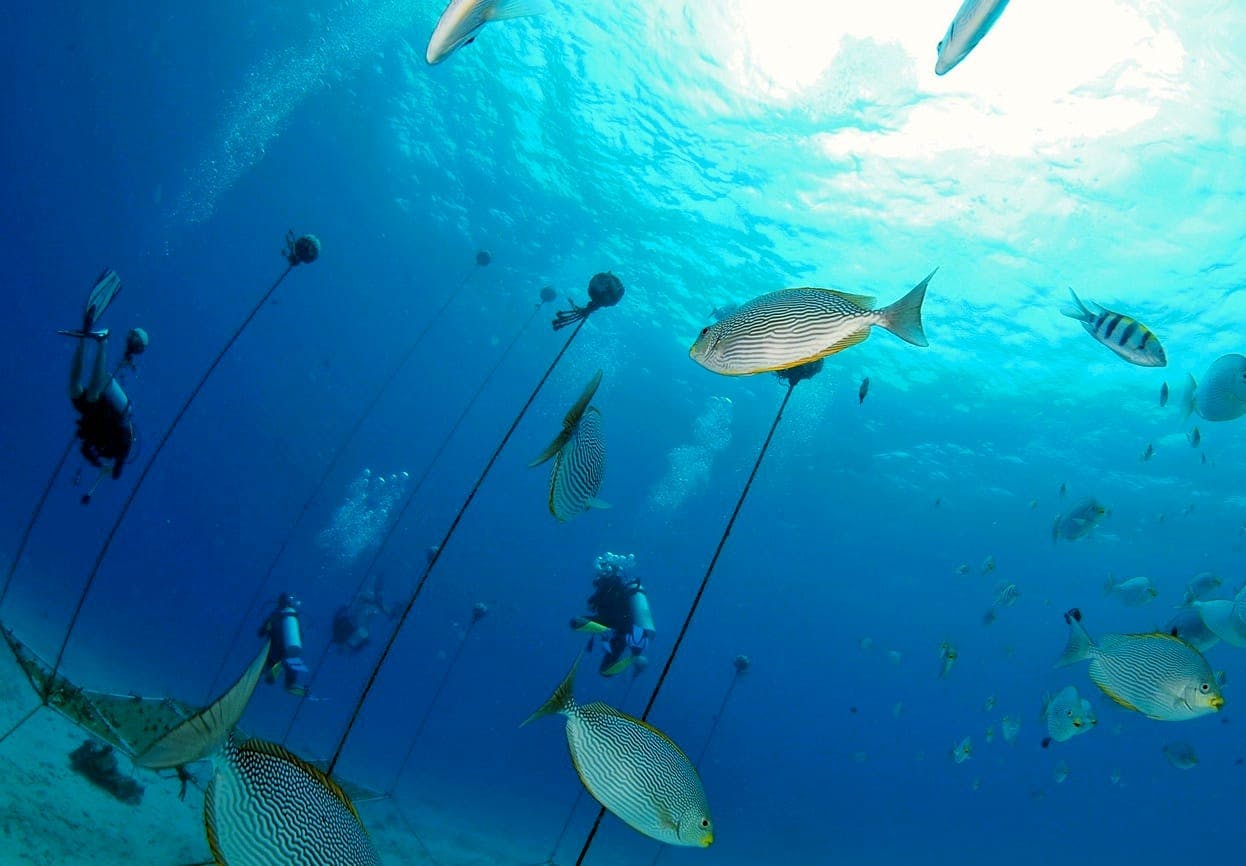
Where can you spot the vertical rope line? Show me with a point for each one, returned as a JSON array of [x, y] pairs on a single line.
[[441, 548], [155, 455], [696, 601], [325, 475], [34, 518]]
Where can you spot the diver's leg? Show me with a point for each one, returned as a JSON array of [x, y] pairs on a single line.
[[100, 377], [75, 371]]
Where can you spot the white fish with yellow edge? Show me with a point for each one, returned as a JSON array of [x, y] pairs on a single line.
[[971, 23], [790, 327], [1156, 674], [1226, 618], [1010, 727], [632, 769], [462, 20], [1203, 585], [1067, 714], [1221, 396], [264, 805], [579, 455], [1181, 755]]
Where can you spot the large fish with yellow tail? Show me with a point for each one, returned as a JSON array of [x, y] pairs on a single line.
[[790, 327], [633, 769], [579, 455], [264, 806]]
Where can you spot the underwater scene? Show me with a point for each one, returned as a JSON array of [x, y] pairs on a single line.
[[527, 432]]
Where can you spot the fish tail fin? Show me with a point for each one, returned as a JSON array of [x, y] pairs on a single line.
[[1079, 310], [1186, 403], [563, 698], [203, 733], [904, 317], [1079, 645], [574, 414], [504, 10]]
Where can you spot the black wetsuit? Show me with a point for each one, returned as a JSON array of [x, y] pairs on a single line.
[[105, 427]]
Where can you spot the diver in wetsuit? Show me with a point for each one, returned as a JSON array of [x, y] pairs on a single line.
[[350, 621], [619, 615], [285, 646], [105, 422]]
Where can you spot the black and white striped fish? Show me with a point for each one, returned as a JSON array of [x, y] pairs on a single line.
[[265, 806], [579, 455], [791, 327], [633, 769], [1124, 335]]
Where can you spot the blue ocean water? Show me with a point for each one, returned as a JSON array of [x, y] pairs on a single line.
[[705, 153]]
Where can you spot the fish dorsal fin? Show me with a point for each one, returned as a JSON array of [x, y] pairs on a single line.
[[503, 10], [205, 731], [569, 423], [640, 722], [264, 747], [865, 302]]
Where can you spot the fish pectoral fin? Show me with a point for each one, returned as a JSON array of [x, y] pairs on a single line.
[[506, 9], [599, 503], [552, 449]]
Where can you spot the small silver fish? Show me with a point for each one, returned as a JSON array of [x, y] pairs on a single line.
[[461, 22], [1010, 727], [1134, 592], [1060, 772], [1203, 584], [1163, 395], [1225, 618], [988, 564], [962, 751], [863, 390], [1181, 755], [792, 327], [1126, 336], [1195, 438], [1188, 625], [1158, 675], [1078, 521], [1222, 394], [1067, 714], [973, 20], [1148, 453], [947, 658], [633, 769], [1006, 594]]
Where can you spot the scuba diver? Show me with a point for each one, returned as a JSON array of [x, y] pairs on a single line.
[[350, 622], [105, 425], [285, 645], [619, 615]]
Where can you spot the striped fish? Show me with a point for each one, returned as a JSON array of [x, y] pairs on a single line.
[[973, 20], [264, 806], [1126, 336], [791, 327], [1158, 675], [633, 769], [579, 455]]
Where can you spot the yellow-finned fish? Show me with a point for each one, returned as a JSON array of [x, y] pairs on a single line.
[[463, 19], [1158, 675], [579, 454], [265, 806], [633, 769], [1124, 335], [791, 327]]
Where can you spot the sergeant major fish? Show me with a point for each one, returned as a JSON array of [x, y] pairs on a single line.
[[632, 769], [791, 327], [1126, 336], [1158, 675], [264, 806], [972, 21], [461, 22]]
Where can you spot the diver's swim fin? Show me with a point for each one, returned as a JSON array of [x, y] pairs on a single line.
[[618, 667], [205, 731], [98, 336], [107, 284], [588, 626]]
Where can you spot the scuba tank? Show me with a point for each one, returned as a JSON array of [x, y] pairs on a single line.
[[291, 635], [638, 604]]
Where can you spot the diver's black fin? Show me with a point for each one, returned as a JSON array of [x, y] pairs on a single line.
[[106, 287]]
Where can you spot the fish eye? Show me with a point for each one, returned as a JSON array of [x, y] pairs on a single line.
[[705, 823], [704, 331], [1069, 713], [1204, 688]]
